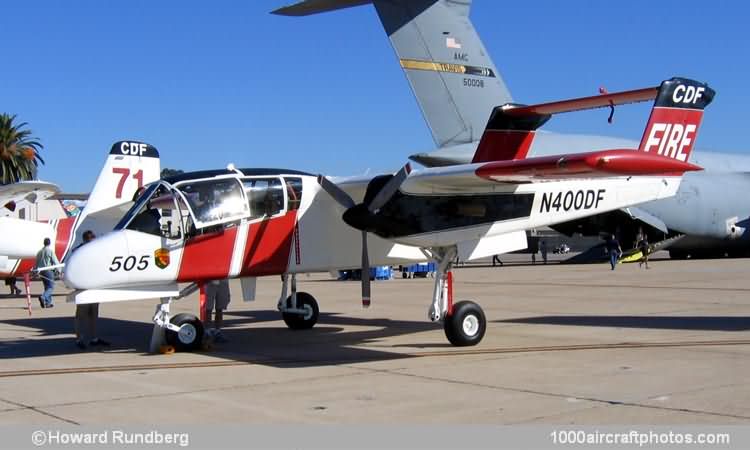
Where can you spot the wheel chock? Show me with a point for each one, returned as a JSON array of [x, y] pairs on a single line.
[[166, 349]]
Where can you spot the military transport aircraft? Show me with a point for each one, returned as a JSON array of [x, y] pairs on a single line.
[[245, 223], [457, 84], [128, 167]]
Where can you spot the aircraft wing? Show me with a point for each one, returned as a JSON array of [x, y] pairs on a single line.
[[30, 191], [599, 164]]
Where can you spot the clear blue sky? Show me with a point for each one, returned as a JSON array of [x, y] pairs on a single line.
[[210, 83]]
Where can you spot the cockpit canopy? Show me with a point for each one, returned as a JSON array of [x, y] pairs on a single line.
[[192, 207]]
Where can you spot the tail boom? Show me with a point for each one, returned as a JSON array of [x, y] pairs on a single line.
[[605, 163]]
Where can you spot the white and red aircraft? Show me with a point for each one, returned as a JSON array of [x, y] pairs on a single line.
[[248, 223], [129, 166]]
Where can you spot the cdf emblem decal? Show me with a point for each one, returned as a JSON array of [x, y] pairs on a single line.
[[161, 258]]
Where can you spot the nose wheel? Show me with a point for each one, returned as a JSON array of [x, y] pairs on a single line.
[[303, 315], [466, 326], [189, 333]]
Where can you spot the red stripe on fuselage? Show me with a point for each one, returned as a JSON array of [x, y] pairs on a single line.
[[24, 266], [268, 246], [63, 238], [208, 256]]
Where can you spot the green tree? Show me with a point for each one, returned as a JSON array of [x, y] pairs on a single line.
[[167, 172], [19, 151]]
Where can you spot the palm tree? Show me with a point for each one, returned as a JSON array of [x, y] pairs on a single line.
[[19, 151]]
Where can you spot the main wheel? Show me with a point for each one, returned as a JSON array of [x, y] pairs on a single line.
[[467, 324], [304, 321], [190, 335]]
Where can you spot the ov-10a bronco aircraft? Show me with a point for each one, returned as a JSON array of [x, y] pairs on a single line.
[[247, 223]]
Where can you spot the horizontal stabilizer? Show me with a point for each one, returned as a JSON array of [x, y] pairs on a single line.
[[584, 103], [310, 7], [511, 128], [29, 191]]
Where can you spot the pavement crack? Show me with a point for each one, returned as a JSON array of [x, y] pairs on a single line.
[[556, 395], [36, 409], [188, 392]]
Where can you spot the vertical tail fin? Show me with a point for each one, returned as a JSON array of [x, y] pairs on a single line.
[[129, 166], [452, 76], [507, 137], [675, 118]]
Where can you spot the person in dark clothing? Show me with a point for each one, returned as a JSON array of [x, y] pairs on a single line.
[[87, 314], [644, 247], [11, 283], [496, 260], [614, 250]]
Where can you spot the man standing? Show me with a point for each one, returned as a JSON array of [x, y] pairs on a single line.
[[644, 247], [46, 258], [217, 296], [543, 249], [86, 315]]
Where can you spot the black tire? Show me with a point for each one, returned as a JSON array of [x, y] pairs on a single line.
[[302, 322], [190, 336], [466, 326]]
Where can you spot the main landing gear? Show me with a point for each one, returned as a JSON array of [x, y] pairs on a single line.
[[300, 310], [464, 322]]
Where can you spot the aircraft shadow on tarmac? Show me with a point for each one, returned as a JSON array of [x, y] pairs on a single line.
[[325, 344], [705, 323]]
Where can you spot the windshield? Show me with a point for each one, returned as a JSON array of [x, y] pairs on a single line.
[[162, 214], [139, 201]]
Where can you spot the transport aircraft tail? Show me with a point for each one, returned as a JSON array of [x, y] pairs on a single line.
[[450, 72]]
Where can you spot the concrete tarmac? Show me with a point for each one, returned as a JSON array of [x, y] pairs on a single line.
[[564, 345]]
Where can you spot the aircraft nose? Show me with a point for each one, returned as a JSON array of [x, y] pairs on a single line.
[[87, 266]]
